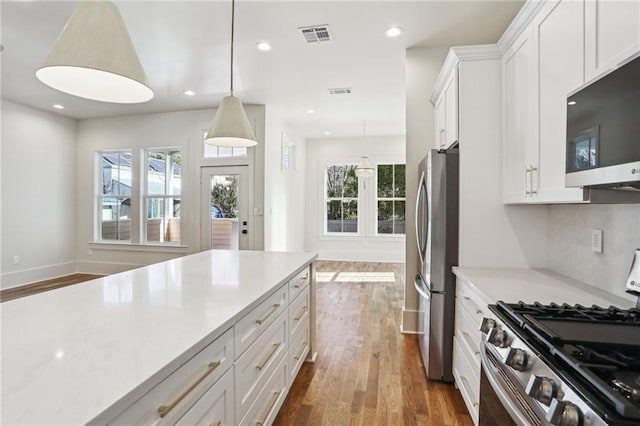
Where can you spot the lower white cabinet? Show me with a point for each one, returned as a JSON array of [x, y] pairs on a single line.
[[215, 408], [298, 350], [270, 399]]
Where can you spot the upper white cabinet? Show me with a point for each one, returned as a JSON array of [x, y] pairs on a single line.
[[551, 49], [445, 100], [612, 30]]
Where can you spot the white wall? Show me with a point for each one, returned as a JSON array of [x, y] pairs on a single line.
[[570, 243], [421, 70], [284, 189], [367, 247], [38, 194], [184, 129]]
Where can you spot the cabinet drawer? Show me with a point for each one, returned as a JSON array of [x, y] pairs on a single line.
[[298, 350], [180, 390], [468, 384], [255, 366], [299, 313], [255, 322], [299, 283], [215, 408], [269, 401], [469, 335], [472, 302]]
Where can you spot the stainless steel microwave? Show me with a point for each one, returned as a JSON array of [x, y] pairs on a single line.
[[603, 131]]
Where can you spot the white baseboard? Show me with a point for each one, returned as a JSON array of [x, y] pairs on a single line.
[[105, 268], [27, 276], [361, 256], [409, 321]]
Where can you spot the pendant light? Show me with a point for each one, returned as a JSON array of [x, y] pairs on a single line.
[[364, 168], [231, 126], [94, 58]]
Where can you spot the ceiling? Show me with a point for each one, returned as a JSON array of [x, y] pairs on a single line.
[[185, 45]]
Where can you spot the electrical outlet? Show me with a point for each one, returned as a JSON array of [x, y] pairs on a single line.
[[16, 260], [596, 240]]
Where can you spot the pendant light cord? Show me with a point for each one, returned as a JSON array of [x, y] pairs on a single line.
[[233, 11]]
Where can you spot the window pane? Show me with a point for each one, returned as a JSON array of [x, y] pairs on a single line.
[[399, 217], [350, 182], [335, 180], [385, 181], [175, 165], [334, 216], [163, 219], [116, 173], [156, 162], [385, 211], [350, 216], [399, 175], [115, 223], [224, 195]]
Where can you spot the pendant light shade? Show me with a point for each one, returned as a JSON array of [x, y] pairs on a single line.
[[94, 58], [364, 169], [231, 126]]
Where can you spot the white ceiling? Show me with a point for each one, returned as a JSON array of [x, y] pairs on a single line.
[[185, 45]]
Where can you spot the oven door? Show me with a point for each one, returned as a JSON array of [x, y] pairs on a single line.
[[502, 401]]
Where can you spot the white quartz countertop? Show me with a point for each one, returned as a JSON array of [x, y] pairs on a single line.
[[71, 353], [512, 285]]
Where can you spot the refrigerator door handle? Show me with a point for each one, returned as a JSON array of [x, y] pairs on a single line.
[[418, 236], [417, 281]]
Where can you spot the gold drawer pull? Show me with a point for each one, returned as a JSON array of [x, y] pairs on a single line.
[[301, 280], [470, 342], [275, 348], [218, 423], [163, 410], [273, 309], [304, 309], [475, 307], [276, 395], [304, 346]]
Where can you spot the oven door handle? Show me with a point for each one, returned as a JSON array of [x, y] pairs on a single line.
[[501, 389]]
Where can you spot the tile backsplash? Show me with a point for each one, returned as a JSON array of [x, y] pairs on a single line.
[[570, 243]]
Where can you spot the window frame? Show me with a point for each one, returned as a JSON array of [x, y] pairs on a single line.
[[101, 196], [392, 199], [327, 199]]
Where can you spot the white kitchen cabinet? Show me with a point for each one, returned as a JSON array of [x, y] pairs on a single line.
[[215, 408], [520, 124], [558, 32], [445, 101], [612, 30]]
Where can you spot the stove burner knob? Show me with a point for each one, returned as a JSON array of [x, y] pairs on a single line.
[[487, 325], [564, 413], [542, 389], [498, 337], [517, 359]]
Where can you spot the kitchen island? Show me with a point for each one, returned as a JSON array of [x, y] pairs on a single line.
[[89, 353]]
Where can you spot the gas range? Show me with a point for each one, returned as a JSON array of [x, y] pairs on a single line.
[[566, 365]]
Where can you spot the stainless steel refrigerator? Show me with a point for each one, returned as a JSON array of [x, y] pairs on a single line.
[[437, 237]]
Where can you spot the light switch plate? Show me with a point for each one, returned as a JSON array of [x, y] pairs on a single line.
[[596, 240]]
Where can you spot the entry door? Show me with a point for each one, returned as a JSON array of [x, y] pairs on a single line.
[[225, 208]]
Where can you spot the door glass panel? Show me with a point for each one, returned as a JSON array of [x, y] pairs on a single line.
[[223, 202]]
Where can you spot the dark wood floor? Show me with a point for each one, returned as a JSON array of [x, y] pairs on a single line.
[[39, 287], [367, 372]]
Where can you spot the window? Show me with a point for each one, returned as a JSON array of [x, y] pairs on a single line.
[[391, 198], [211, 151], [341, 199], [162, 195], [115, 195]]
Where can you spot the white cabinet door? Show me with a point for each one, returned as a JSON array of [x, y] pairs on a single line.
[[451, 109], [520, 138], [440, 123], [558, 40], [612, 29]]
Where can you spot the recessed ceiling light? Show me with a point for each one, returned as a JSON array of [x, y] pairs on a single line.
[[58, 106], [263, 45], [311, 111], [189, 92], [571, 103], [394, 31], [327, 133]]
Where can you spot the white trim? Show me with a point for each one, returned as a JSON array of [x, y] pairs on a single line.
[[361, 255], [409, 321], [522, 19], [28, 276], [159, 248]]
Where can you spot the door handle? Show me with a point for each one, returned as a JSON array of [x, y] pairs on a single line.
[[244, 231]]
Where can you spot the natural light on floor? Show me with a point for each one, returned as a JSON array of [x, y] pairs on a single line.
[[355, 277]]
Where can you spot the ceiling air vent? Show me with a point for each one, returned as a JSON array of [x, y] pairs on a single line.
[[340, 91], [316, 33]]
